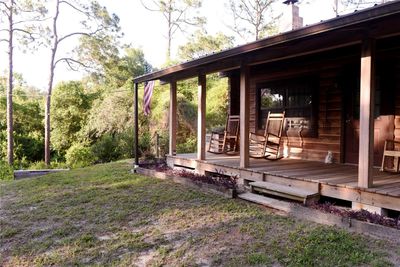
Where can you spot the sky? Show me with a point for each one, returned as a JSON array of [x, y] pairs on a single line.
[[143, 29]]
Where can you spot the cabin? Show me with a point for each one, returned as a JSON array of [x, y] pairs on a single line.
[[338, 82]]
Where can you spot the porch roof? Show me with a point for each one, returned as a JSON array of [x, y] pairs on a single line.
[[375, 22]]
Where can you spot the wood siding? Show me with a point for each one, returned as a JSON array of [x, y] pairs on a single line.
[[397, 111], [336, 73]]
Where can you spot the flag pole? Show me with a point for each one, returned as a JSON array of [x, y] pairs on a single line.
[[136, 152]]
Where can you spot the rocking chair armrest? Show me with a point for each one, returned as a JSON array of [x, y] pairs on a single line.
[[274, 135]]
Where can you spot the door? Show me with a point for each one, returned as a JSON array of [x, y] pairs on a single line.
[[383, 118]]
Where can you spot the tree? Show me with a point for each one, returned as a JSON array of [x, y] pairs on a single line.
[[96, 22], [202, 44], [117, 101], [28, 122], [70, 107], [250, 17], [178, 14], [20, 17]]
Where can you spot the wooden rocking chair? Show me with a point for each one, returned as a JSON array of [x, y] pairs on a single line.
[[226, 142], [269, 144], [391, 151]]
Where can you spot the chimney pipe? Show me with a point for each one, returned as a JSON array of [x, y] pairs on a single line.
[[291, 19]]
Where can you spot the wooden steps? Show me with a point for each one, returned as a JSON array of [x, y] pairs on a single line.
[[266, 201], [299, 194]]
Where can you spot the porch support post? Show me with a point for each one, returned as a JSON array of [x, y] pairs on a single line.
[[367, 103], [201, 118], [244, 116], [136, 119], [172, 119]]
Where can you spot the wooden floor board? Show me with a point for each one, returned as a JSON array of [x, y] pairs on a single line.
[[345, 176]]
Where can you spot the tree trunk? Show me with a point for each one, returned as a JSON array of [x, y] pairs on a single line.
[[10, 128], [50, 89]]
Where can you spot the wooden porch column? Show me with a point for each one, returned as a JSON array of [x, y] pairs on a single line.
[[136, 119], [201, 118], [367, 103], [172, 118], [244, 116]]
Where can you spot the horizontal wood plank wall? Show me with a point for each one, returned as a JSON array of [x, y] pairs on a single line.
[[329, 111], [397, 115]]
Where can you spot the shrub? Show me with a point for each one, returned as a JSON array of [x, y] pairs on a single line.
[[58, 165], [6, 171], [188, 146], [38, 165], [79, 155], [106, 148]]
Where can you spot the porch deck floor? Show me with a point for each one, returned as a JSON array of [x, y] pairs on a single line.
[[342, 175]]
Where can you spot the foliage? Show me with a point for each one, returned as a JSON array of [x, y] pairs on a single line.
[[28, 126], [187, 145], [219, 178], [362, 215], [111, 114], [69, 108], [38, 165], [79, 155], [217, 101], [6, 171], [201, 44], [110, 147]]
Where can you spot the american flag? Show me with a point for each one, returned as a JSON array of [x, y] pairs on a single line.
[[148, 92]]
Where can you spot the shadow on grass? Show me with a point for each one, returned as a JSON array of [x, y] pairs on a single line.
[[105, 215]]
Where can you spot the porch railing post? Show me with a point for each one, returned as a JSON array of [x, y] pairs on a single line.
[[172, 119], [244, 116], [201, 118], [136, 119], [367, 103]]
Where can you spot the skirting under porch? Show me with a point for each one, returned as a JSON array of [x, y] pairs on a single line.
[[331, 180]]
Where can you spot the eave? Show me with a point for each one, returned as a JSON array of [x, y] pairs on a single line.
[[341, 31]]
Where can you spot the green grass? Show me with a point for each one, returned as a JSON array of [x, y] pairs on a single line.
[[106, 216]]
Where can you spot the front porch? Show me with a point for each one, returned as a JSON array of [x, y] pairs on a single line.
[[338, 181]]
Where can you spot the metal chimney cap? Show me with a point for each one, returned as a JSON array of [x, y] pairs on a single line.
[[288, 2]]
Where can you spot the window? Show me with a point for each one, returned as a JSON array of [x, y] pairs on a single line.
[[295, 97]]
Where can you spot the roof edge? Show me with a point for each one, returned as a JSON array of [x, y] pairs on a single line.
[[367, 14]]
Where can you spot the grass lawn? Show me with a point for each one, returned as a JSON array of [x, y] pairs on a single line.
[[103, 215]]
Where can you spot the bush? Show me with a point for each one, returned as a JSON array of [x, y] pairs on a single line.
[[79, 155], [106, 148], [6, 171], [188, 146], [38, 165]]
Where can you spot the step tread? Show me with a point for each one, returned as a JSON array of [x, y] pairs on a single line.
[[289, 190], [266, 201]]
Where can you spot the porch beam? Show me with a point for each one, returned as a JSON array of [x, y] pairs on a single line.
[[201, 118], [172, 118], [367, 103], [136, 121], [244, 115]]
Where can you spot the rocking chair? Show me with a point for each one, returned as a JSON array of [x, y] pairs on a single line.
[[268, 144], [227, 141]]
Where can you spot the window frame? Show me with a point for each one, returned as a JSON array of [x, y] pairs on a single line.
[[308, 123]]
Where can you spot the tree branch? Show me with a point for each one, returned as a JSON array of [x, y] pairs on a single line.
[[79, 33], [69, 60], [76, 8]]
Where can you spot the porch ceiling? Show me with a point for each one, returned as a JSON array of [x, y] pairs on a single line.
[[376, 22]]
